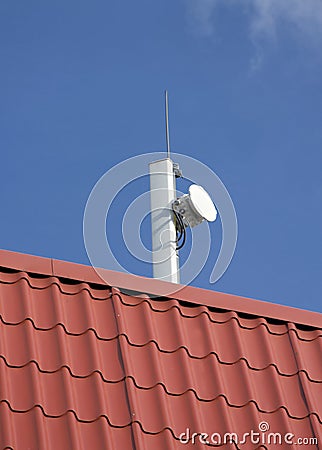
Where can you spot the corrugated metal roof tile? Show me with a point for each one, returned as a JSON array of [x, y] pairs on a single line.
[[200, 337], [53, 349], [32, 430], [87, 366]]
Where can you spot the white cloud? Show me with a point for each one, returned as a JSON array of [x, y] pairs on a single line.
[[265, 16], [200, 13], [304, 15]]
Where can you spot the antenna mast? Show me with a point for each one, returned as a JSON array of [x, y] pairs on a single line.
[[163, 192], [169, 234]]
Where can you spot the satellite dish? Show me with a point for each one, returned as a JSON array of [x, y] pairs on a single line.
[[195, 207], [202, 203]]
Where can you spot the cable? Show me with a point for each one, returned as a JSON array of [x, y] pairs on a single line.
[[178, 224], [183, 241], [181, 229]]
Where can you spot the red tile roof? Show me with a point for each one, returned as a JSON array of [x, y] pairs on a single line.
[[84, 365]]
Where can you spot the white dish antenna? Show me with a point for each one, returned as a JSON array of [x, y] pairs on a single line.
[[202, 203], [195, 207]]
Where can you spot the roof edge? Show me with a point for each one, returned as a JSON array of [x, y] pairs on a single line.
[[63, 269]]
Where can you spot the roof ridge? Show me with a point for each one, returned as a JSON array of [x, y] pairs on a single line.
[[207, 312], [26, 276], [74, 271]]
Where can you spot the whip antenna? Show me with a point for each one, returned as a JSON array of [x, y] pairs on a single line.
[[167, 123]]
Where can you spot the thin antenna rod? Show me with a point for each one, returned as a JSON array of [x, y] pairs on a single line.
[[167, 123]]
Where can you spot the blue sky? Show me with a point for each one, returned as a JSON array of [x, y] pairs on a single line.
[[81, 88]]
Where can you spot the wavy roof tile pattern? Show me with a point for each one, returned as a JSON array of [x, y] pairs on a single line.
[[84, 365]]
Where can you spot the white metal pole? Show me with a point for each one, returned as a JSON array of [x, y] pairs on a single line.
[[163, 191]]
